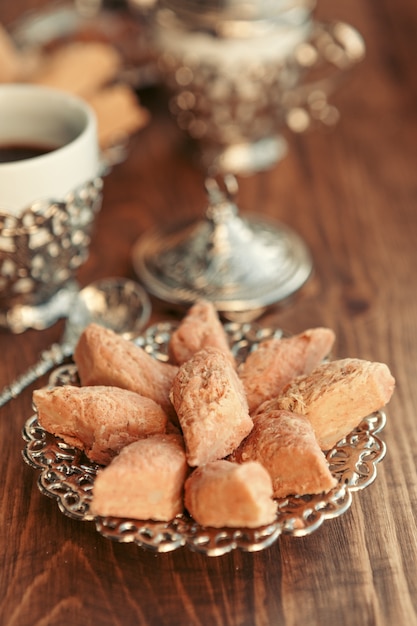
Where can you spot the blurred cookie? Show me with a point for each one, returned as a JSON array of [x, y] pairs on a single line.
[[79, 68], [118, 113]]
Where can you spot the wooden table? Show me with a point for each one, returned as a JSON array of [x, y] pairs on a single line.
[[352, 195]]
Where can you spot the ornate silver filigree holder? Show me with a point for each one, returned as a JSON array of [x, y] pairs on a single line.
[[40, 252], [236, 74]]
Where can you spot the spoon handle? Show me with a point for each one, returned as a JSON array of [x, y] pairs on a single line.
[[49, 358]]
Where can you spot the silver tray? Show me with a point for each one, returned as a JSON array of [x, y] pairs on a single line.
[[67, 475]]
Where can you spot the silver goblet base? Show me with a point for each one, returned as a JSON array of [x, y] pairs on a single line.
[[240, 263]]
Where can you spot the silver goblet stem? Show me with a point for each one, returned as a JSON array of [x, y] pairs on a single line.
[[241, 264]]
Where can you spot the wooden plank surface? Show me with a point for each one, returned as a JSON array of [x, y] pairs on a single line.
[[352, 194]]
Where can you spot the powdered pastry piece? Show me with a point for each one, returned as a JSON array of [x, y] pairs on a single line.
[[80, 68], [98, 420], [222, 493], [105, 358], [336, 396], [118, 114], [200, 328], [287, 447], [145, 481], [211, 406], [276, 362]]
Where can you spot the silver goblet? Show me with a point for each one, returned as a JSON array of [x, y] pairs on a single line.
[[239, 74]]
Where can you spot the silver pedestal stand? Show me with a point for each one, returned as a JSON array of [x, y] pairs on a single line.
[[235, 82], [241, 264]]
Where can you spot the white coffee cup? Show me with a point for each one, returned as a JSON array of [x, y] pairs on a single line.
[[48, 202], [40, 116]]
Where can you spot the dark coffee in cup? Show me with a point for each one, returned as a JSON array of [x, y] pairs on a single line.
[[18, 152]]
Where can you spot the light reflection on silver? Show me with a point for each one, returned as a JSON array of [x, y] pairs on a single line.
[[236, 72]]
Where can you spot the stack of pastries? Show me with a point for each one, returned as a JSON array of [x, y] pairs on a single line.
[[202, 433]]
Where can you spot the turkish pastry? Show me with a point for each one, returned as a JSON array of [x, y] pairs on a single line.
[[145, 481], [200, 328], [223, 493], [105, 358], [277, 361], [285, 444], [211, 406], [336, 396], [98, 420]]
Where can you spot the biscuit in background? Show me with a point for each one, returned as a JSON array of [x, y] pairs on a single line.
[[15, 66], [87, 69], [118, 113], [79, 68]]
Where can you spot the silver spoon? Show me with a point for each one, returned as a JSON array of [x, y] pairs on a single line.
[[117, 303]]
